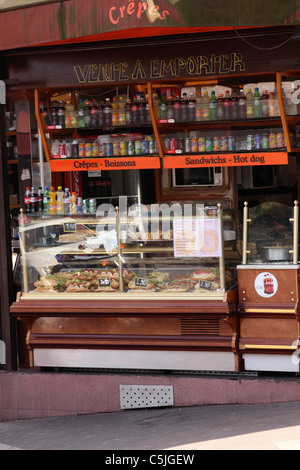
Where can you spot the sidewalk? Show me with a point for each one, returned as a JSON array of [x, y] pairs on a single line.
[[272, 426]]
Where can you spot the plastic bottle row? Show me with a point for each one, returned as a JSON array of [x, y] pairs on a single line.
[[253, 139], [105, 146], [205, 107], [118, 111]]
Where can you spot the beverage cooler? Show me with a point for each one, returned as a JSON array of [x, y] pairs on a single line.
[[268, 283]]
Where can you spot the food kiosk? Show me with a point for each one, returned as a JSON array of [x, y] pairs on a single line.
[[150, 283]]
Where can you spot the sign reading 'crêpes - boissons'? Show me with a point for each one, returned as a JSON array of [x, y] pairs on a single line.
[[160, 68]]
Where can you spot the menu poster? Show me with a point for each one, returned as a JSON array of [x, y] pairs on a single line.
[[200, 238]]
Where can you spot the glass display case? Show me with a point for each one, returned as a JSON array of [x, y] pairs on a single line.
[[270, 233], [163, 250]]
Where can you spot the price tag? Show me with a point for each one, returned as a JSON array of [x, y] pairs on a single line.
[[104, 282], [206, 285], [70, 227], [141, 282]]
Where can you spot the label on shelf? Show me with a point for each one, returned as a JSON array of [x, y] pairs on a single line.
[[231, 159], [166, 121], [112, 163], [54, 127]]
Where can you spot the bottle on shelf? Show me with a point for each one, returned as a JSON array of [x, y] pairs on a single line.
[[40, 195], [54, 111], [272, 104], [147, 111], [227, 106], [52, 201], [213, 107], [191, 108], [61, 114], [220, 106], [242, 112], [177, 108], [33, 200], [27, 200], [122, 114], [257, 109], [163, 107], [67, 201], [46, 198], [107, 111], [156, 105], [81, 120], [198, 106], [234, 104], [184, 108], [73, 203], [142, 110], [100, 114], [70, 116], [265, 104], [59, 201], [206, 102], [94, 114], [128, 119], [249, 104], [170, 108], [114, 111], [87, 113], [44, 112]]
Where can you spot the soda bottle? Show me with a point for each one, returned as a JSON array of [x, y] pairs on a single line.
[[249, 104], [128, 111], [234, 105], [184, 108], [81, 120], [257, 111], [147, 112], [74, 203], [142, 111], [265, 104], [87, 113], [67, 201], [191, 109], [40, 199], [59, 201], [107, 118], [163, 107], [27, 200], [220, 106], [44, 112], [242, 113], [134, 111], [33, 200], [170, 108], [206, 102], [227, 105], [114, 111], [177, 108], [54, 117], [122, 115], [61, 114], [198, 106], [213, 107], [46, 198], [52, 201], [156, 105], [100, 114], [94, 114]]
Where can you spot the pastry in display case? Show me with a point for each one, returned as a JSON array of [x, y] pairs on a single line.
[[147, 249]]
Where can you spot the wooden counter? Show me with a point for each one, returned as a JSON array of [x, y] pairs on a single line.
[[182, 332], [268, 310]]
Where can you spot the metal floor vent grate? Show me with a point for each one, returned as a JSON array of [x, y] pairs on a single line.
[[145, 396]]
